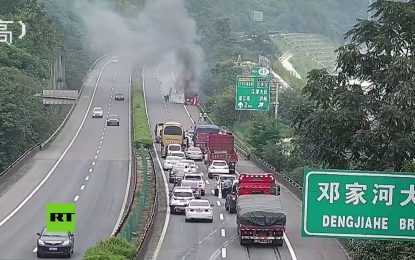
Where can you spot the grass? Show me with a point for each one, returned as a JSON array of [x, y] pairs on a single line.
[[110, 248], [302, 62], [142, 134]]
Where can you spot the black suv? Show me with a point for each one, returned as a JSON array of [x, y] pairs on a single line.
[[55, 243], [119, 96]]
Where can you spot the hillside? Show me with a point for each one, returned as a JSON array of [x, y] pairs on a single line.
[[331, 18]]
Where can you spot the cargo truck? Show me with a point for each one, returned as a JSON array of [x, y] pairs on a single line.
[[201, 134], [251, 183], [222, 147], [260, 219]]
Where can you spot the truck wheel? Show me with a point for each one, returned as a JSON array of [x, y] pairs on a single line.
[[203, 193], [278, 242], [216, 192], [172, 210], [243, 242], [232, 211], [171, 180]]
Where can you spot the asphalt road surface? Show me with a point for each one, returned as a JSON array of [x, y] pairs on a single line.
[[87, 163], [218, 240]]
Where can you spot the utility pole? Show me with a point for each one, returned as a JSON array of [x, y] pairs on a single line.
[[276, 98]]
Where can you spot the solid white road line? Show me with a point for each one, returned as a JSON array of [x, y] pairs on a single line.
[[166, 186], [223, 252], [82, 187], [62, 155], [188, 114], [290, 248], [76, 198], [218, 202], [127, 187], [221, 216], [222, 232], [87, 178]]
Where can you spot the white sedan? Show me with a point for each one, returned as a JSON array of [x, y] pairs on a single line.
[[170, 161], [178, 154], [217, 167], [194, 153], [193, 166], [199, 209]]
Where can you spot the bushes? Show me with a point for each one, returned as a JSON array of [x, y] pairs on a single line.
[[112, 248], [142, 134]]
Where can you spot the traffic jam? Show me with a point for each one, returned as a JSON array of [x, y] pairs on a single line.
[[204, 155]]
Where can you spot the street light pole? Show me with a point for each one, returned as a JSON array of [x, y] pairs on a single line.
[[276, 98]]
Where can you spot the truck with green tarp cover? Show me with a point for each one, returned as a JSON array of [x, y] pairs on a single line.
[[260, 219]]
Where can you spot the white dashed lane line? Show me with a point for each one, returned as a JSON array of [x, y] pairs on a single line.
[[35, 250], [90, 170], [87, 178], [93, 163], [222, 232], [97, 151], [207, 182], [82, 187], [100, 142], [213, 192], [218, 202], [221, 216], [76, 198], [99, 146], [96, 156], [223, 252]]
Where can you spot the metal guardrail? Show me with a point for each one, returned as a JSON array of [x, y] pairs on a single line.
[[21, 159]]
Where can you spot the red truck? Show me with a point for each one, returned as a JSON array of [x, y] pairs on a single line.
[[260, 219], [251, 183], [201, 134], [222, 147]]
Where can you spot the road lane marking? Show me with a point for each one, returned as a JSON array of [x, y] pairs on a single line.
[[90, 170], [93, 163], [222, 232], [105, 129], [218, 202], [290, 248], [221, 216], [100, 142], [97, 151], [87, 178], [213, 192], [76, 198], [96, 157], [219, 250], [207, 182], [223, 252], [34, 250], [127, 188], [102, 138], [62, 155], [99, 146], [82, 187], [188, 114]]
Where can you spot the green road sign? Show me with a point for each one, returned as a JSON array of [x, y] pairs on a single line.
[[252, 93], [260, 71], [355, 204]]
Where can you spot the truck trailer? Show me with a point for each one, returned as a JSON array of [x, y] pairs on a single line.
[[260, 219], [222, 147]]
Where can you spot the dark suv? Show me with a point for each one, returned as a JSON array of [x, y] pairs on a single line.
[[55, 243]]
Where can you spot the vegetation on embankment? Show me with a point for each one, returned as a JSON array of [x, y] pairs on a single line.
[[142, 134], [110, 249]]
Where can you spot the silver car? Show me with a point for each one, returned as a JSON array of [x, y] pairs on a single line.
[[194, 153], [97, 112]]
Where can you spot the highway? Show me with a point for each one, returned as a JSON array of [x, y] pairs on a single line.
[[218, 240], [88, 163]]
